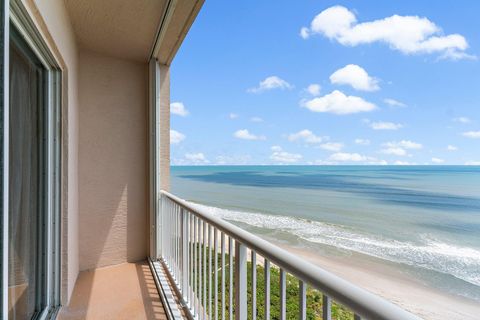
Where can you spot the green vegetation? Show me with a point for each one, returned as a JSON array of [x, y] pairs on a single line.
[[314, 297]]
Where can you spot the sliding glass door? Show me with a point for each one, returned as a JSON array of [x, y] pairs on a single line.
[[27, 182], [31, 182]]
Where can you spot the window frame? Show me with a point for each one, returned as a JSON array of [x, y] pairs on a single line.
[[5, 39], [16, 16]]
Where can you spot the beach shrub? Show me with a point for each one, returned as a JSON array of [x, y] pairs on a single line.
[[314, 297]]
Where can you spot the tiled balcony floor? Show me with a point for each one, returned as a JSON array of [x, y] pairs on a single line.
[[125, 291]]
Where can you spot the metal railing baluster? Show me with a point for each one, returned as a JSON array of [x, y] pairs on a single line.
[[223, 274], [254, 285], [192, 261], [230, 267], [302, 292], [199, 257], [174, 242], [195, 259], [266, 269], [184, 241], [283, 295], [210, 313], [240, 281], [215, 267], [205, 284], [177, 246], [326, 308]]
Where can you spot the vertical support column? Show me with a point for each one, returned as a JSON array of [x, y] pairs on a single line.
[[159, 138], [154, 220], [240, 281], [4, 116], [164, 128]]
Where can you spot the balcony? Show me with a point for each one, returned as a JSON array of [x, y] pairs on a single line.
[[118, 247]]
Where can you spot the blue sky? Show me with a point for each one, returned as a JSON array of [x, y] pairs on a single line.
[[328, 82]]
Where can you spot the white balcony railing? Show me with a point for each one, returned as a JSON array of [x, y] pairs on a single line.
[[214, 267]]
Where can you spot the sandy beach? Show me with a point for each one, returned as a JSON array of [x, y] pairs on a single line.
[[391, 284]]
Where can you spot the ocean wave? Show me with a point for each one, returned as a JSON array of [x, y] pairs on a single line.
[[428, 253]]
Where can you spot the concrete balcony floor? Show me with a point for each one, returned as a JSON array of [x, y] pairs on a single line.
[[125, 291]]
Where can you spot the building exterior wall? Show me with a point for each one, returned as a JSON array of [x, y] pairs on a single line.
[[113, 160], [52, 20]]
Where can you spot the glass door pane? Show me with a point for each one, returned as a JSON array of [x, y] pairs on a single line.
[[27, 213]]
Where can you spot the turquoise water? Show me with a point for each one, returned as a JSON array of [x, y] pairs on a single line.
[[423, 220]]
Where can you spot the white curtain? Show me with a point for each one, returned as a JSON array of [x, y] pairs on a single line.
[[24, 196]]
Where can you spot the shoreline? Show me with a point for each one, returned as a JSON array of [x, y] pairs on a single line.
[[390, 284]]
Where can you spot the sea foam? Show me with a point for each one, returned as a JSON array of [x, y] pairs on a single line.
[[429, 253]]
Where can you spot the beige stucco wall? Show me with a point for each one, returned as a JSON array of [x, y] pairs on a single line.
[[164, 125], [113, 160], [52, 20]]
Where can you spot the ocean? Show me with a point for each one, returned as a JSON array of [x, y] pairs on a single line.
[[422, 220]]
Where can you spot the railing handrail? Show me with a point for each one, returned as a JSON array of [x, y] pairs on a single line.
[[360, 301]]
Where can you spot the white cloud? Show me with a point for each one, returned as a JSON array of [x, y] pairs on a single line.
[[394, 103], [472, 163], [304, 33], [350, 157], [176, 137], [437, 160], [281, 156], [308, 137], [305, 136], [397, 151], [314, 89], [233, 116], [378, 162], [462, 120], [270, 83], [332, 146], [403, 163], [451, 148], [256, 119], [472, 134], [246, 135], [383, 125], [233, 160], [398, 148], [356, 77], [363, 142], [196, 158], [338, 103], [407, 144], [179, 109], [407, 34]]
